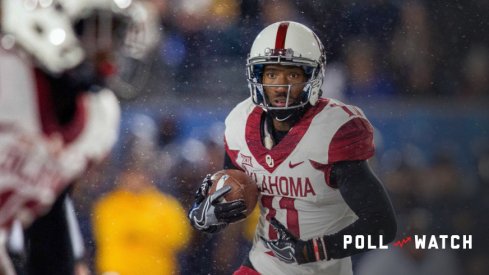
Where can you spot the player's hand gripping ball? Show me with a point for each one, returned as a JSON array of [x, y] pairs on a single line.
[[243, 187]]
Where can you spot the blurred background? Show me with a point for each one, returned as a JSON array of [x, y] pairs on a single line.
[[418, 69]]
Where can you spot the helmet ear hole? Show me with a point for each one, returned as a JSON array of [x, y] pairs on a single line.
[[58, 7], [38, 28]]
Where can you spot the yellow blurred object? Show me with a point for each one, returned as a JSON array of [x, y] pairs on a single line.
[[250, 223], [223, 13], [227, 8], [139, 232]]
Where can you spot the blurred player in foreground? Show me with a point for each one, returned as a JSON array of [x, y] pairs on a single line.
[[308, 156], [56, 115]]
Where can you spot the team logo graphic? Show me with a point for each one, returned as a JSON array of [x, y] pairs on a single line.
[[245, 160], [420, 242], [269, 160], [402, 242]]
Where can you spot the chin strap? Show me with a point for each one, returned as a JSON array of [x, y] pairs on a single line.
[[291, 116], [296, 114], [283, 119]]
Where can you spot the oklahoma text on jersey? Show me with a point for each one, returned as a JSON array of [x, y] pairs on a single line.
[[285, 186]]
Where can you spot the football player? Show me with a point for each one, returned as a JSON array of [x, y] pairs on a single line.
[[56, 114], [308, 156]]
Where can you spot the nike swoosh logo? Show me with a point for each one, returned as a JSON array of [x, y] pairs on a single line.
[[292, 165]]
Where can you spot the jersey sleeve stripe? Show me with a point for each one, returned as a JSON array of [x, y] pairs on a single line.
[[353, 141]]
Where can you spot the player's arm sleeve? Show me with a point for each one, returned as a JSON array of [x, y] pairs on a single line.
[[366, 196], [354, 140]]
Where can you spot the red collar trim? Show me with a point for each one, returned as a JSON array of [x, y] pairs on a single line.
[[48, 119], [271, 159]]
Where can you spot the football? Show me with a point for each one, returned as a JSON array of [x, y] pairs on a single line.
[[242, 187]]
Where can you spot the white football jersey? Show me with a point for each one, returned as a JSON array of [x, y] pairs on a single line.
[[38, 156], [293, 176]]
